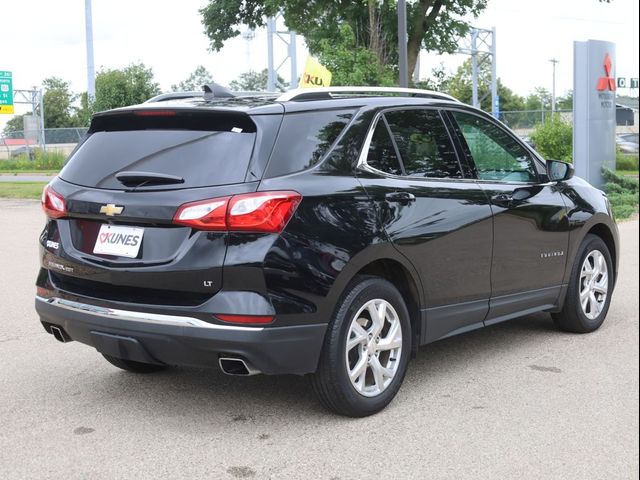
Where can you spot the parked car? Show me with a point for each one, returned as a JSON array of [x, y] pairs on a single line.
[[627, 142], [325, 232]]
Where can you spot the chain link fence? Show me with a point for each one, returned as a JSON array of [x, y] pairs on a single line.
[[52, 136], [528, 119]]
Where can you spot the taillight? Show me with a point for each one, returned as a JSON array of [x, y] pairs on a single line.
[[252, 212], [53, 203], [244, 319], [204, 215]]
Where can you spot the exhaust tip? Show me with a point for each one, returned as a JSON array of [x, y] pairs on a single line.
[[57, 334], [236, 366]]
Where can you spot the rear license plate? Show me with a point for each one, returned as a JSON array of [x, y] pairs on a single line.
[[120, 241]]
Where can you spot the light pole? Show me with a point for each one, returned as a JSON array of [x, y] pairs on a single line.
[[553, 86], [402, 44], [91, 71]]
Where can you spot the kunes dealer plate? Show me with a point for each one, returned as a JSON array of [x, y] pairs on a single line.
[[121, 241]]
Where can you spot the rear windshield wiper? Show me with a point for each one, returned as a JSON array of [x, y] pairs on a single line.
[[130, 178]]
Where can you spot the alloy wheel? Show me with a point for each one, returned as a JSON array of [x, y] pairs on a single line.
[[594, 284], [373, 347]]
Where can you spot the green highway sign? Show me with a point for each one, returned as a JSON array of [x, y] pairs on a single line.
[[6, 92]]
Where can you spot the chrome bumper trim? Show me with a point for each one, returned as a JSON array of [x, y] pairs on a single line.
[[142, 317]]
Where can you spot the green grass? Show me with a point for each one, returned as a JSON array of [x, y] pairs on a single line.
[[29, 172], [42, 161], [21, 189]]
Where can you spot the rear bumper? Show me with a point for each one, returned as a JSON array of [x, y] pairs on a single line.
[[181, 340]]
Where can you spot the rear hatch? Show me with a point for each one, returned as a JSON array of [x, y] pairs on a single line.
[[121, 188]]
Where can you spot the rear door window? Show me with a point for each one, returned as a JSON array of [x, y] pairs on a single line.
[[304, 139], [200, 157], [382, 154], [423, 143]]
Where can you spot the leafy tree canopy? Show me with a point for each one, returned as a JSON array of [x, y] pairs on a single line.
[[460, 85], [194, 82], [58, 100], [15, 124], [434, 25], [120, 88], [252, 81], [351, 64]]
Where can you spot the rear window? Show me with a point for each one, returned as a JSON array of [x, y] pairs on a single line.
[[304, 139], [202, 158]]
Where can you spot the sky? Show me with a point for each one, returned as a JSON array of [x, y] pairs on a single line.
[[44, 38]]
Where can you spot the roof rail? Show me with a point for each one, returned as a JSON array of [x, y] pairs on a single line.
[[326, 93]]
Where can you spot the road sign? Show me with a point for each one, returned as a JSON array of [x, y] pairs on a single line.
[[634, 83], [6, 92], [622, 82]]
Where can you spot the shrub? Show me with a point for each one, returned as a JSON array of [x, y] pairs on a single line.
[[554, 138], [622, 193], [626, 162]]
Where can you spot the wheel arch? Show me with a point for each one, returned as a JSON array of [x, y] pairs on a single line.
[[604, 227], [401, 273], [604, 232]]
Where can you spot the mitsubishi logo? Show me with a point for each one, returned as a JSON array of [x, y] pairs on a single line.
[[110, 209], [607, 82]]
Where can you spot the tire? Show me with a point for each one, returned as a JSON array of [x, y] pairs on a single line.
[[134, 367], [369, 392], [574, 317]]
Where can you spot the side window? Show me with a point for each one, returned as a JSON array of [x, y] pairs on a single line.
[[304, 138], [382, 154], [423, 143], [496, 154]]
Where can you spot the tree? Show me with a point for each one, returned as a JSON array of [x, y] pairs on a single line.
[[120, 88], [199, 77], [460, 85], [252, 81], [16, 124], [434, 25], [351, 64], [57, 100], [540, 99], [82, 115], [438, 81], [565, 102]]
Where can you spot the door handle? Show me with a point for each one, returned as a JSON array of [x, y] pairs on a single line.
[[400, 197], [502, 200], [508, 200]]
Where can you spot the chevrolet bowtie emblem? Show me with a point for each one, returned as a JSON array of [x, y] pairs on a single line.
[[110, 209]]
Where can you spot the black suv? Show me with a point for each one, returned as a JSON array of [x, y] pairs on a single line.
[[328, 232]]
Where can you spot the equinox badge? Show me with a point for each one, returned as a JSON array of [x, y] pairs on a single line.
[[110, 209]]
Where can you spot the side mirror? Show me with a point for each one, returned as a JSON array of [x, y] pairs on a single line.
[[559, 171]]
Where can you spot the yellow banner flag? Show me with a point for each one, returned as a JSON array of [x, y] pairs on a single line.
[[315, 74]]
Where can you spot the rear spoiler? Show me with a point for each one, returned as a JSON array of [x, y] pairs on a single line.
[[172, 118]]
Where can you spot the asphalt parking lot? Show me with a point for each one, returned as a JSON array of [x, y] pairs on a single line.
[[516, 400]]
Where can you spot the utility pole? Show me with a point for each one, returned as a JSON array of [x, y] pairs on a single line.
[[402, 44], [553, 86], [91, 71]]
